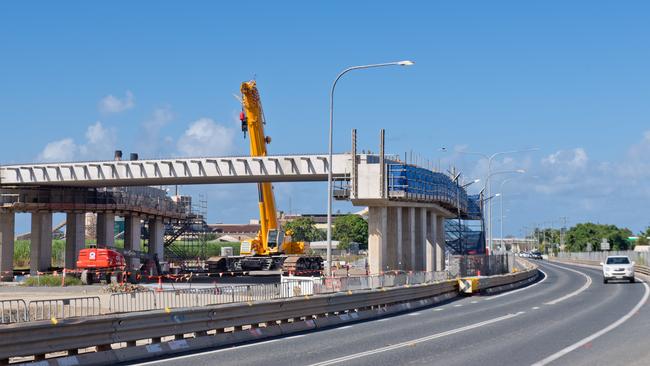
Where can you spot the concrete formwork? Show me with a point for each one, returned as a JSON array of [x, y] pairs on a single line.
[[75, 238], [7, 229], [41, 243], [132, 231]]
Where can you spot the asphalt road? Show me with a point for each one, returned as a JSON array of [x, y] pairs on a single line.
[[567, 318]]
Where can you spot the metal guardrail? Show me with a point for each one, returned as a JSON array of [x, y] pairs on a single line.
[[188, 298], [13, 311], [638, 268], [64, 308], [218, 325]]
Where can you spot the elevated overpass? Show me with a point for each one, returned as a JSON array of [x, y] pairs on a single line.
[[407, 204]]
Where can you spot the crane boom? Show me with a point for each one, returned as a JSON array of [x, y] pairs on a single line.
[[253, 122], [270, 249]]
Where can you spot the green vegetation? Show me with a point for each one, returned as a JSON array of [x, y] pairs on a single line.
[[580, 235], [350, 229], [51, 281], [22, 252], [193, 250], [304, 229]]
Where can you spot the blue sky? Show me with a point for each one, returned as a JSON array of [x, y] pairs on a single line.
[[82, 79]]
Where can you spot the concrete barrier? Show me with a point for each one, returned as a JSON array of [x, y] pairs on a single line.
[[226, 324]]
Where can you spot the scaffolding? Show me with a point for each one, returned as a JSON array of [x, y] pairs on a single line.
[[186, 239]]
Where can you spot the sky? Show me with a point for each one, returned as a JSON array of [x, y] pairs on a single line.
[[81, 79]]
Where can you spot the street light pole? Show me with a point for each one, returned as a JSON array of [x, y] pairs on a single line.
[[329, 155], [488, 185]]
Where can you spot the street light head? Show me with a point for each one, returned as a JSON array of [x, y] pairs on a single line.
[[497, 195], [406, 63], [476, 180], [522, 171]]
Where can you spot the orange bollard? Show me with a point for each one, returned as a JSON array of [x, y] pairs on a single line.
[[160, 288], [63, 279], [478, 273]]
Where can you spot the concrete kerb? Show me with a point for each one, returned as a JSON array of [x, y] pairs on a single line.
[[182, 323]]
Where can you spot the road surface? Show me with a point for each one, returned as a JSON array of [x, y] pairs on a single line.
[[568, 318]]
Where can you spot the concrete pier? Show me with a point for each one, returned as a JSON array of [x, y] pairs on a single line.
[[7, 233], [156, 237], [132, 231], [105, 229], [440, 243], [377, 238], [430, 250], [75, 229], [41, 243], [405, 237]]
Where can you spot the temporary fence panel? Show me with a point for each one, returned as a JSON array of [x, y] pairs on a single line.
[[13, 311], [64, 308]]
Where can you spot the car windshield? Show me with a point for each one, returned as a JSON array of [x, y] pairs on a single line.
[[618, 260]]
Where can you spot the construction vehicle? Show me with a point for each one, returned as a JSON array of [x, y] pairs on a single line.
[[272, 248], [97, 264]]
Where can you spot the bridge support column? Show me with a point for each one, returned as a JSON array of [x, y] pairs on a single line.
[[41, 243], [75, 240], [392, 257], [421, 231], [7, 232], [399, 238], [156, 237], [440, 243], [105, 230], [412, 239], [377, 237], [430, 251], [132, 231], [406, 238]]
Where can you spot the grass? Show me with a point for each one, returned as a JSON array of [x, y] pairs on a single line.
[[191, 250], [51, 281], [22, 252]]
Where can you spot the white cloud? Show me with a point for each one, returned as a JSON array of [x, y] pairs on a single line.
[[205, 137], [150, 142], [60, 150], [99, 144], [113, 104], [576, 158]]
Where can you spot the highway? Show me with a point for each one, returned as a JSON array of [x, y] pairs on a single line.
[[569, 317]]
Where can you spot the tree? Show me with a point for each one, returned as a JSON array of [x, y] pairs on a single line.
[[350, 229], [580, 235], [304, 229]]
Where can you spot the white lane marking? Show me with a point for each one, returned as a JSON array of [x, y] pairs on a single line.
[[521, 289], [413, 314], [605, 330], [296, 336], [382, 319], [415, 341], [344, 327], [535, 307], [574, 293], [458, 305], [474, 302], [439, 309], [158, 362]]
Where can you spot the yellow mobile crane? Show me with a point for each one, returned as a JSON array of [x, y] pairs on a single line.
[[272, 248]]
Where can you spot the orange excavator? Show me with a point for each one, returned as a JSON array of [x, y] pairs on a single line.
[[272, 248]]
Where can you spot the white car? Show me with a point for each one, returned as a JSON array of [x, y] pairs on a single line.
[[618, 267]]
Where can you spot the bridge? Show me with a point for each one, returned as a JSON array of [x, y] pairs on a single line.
[[407, 204]]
